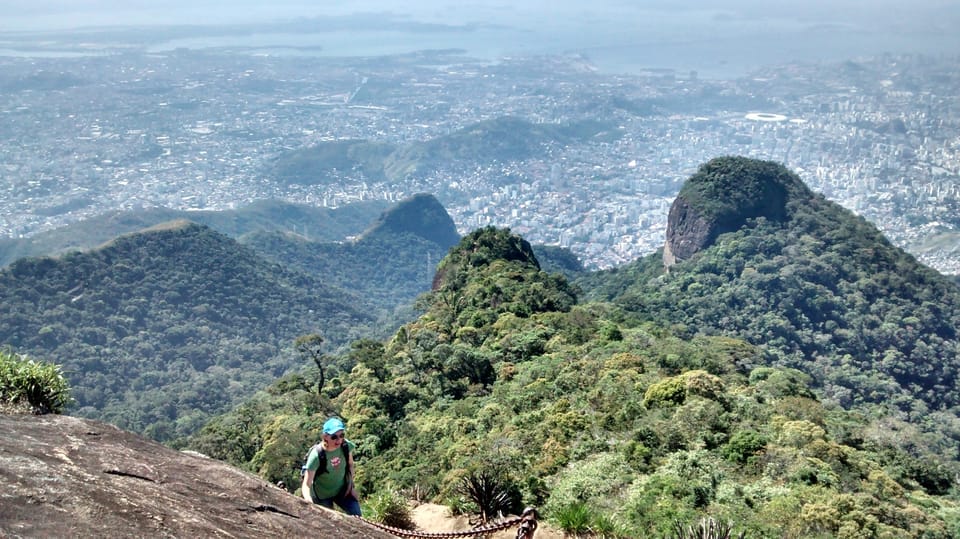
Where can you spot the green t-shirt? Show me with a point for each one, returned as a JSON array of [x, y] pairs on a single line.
[[327, 485]]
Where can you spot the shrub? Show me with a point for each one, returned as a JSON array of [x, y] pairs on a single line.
[[800, 433], [671, 391], [700, 382], [595, 481], [743, 445], [41, 386], [574, 519], [606, 527], [390, 509]]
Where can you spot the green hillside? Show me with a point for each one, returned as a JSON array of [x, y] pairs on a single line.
[[390, 264], [499, 139], [794, 377], [821, 291], [421, 215], [389, 272], [317, 165], [218, 316], [318, 224], [158, 330]]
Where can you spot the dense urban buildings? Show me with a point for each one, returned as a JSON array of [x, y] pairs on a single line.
[[84, 134]]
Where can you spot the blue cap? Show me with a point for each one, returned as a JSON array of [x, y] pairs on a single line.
[[333, 425]]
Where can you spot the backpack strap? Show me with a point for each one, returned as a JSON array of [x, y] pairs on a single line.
[[322, 456], [346, 456]]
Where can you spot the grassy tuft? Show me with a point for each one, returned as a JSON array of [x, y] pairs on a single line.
[[39, 386]]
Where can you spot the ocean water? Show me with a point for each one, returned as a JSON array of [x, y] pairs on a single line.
[[686, 48], [728, 39]]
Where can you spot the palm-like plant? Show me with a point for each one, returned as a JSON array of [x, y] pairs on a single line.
[[707, 528], [491, 493]]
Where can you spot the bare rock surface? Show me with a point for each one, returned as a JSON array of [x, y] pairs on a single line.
[[687, 232], [63, 476]]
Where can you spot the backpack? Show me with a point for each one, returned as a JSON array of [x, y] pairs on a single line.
[[322, 467]]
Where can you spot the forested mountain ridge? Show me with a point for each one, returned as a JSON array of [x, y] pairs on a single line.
[[181, 302], [730, 386], [504, 138], [393, 261], [421, 215], [820, 290], [159, 329], [606, 423], [390, 263], [317, 224]]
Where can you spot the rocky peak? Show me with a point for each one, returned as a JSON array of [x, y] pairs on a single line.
[[723, 195]]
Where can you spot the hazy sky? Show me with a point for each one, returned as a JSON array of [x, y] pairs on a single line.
[[33, 14], [726, 36]]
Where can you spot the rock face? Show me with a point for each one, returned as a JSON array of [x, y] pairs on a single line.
[[687, 232], [724, 195], [62, 476]]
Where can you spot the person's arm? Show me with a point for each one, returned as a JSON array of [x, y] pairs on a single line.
[[308, 484]]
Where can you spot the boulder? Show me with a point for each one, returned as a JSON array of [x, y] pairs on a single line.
[[62, 476]]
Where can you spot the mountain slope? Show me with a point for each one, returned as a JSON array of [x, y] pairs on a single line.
[[421, 215], [390, 264], [389, 272], [722, 196], [500, 139], [156, 330], [319, 224], [602, 421], [819, 288]]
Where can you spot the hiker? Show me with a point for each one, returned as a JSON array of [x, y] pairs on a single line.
[[328, 473]]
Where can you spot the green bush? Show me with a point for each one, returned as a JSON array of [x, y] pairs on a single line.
[[604, 526], [574, 519], [671, 391], [743, 445], [390, 509], [41, 386], [595, 480]]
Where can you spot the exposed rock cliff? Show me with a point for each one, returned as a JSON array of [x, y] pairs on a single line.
[[68, 477], [723, 196]]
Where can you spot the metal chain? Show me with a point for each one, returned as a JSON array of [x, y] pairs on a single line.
[[527, 522]]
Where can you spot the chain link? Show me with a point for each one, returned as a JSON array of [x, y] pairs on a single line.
[[527, 521]]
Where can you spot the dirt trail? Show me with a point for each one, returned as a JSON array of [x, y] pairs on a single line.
[[437, 518]]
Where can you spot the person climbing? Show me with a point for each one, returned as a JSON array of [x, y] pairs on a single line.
[[328, 472]]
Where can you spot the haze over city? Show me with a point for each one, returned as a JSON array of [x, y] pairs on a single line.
[[717, 38], [117, 105]]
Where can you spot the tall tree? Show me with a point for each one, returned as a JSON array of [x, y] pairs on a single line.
[[312, 346]]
